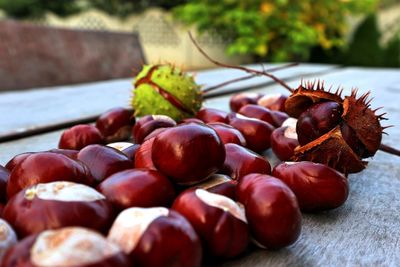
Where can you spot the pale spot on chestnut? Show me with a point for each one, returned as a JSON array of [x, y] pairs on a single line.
[[240, 116], [130, 225], [291, 122], [7, 237], [63, 191], [221, 202], [290, 133], [70, 246], [163, 117], [120, 145]]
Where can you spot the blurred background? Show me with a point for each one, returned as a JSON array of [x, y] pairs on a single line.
[[47, 42]]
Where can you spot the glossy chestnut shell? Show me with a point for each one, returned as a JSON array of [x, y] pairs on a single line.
[[4, 174], [208, 115], [44, 167], [273, 102], [188, 153], [80, 136], [137, 188], [275, 118], [148, 124], [271, 209], [239, 100], [115, 124], [284, 141], [316, 186], [228, 134], [218, 220]]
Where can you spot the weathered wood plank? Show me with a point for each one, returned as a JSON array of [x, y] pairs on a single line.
[[363, 232], [28, 110]]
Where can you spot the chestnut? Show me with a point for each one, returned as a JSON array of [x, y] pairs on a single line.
[[275, 118], [70, 153], [228, 134], [137, 188], [271, 209], [239, 100], [115, 124], [103, 161], [240, 161], [208, 115], [69, 246], [4, 174], [256, 132], [55, 205], [188, 153], [218, 220], [317, 120], [80, 136], [220, 184], [316, 186], [149, 123], [156, 237], [17, 159], [143, 155], [273, 102], [43, 167], [8, 238], [129, 149], [120, 146], [189, 120], [284, 141]]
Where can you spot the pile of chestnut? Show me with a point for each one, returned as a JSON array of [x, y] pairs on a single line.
[[178, 194]]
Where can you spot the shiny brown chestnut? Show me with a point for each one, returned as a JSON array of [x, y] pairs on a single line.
[[137, 188], [17, 159], [271, 209], [103, 161], [256, 132], [273, 102], [143, 155], [218, 220], [129, 149], [240, 161], [70, 153], [189, 120], [275, 118], [148, 124], [8, 238], [208, 115], [80, 136], [4, 175], [44, 167], [115, 124], [317, 120], [316, 186], [284, 140], [220, 184], [156, 237], [69, 246], [188, 153], [239, 100], [228, 134], [55, 205]]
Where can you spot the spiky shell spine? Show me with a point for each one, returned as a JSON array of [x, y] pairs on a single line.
[[165, 89], [331, 148]]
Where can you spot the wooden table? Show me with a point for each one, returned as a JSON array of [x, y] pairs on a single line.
[[363, 232]]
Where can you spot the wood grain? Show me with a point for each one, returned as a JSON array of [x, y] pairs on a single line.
[[363, 232]]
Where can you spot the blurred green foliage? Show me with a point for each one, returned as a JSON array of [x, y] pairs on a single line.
[[275, 30]]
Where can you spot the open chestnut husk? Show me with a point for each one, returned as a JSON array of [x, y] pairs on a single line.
[[8, 238], [115, 124], [137, 188], [256, 132], [316, 186], [55, 205], [188, 153], [103, 161], [350, 133], [240, 161], [156, 237], [272, 210], [70, 246], [218, 220], [79, 136], [44, 167]]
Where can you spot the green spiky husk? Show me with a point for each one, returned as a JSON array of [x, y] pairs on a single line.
[[146, 100]]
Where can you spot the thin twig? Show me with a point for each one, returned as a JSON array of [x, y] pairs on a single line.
[[389, 149], [211, 88], [253, 71]]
